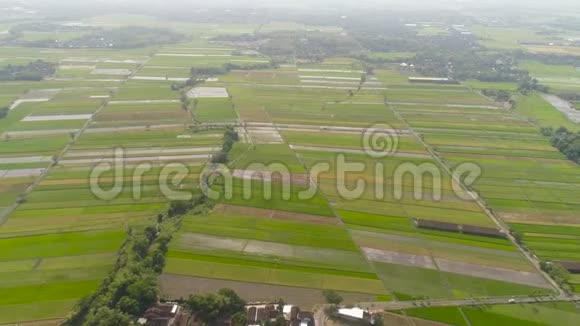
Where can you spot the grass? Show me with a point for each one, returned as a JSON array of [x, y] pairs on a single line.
[[506, 38], [269, 262], [244, 156], [47, 292], [47, 145], [479, 85], [376, 221], [272, 276], [535, 108], [556, 313], [450, 96], [446, 315], [215, 110], [538, 69], [289, 232], [136, 90], [52, 245], [419, 283], [40, 310], [350, 141], [345, 114]]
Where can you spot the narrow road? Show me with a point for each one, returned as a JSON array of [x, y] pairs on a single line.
[[396, 305]]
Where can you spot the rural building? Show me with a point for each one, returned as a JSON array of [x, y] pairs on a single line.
[[436, 225], [306, 318], [258, 314], [466, 229], [482, 231], [162, 314], [290, 312], [432, 80], [355, 314]]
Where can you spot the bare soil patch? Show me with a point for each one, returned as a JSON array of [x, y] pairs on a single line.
[[541, 219], [393, 257], [177, 286], [493, 273]]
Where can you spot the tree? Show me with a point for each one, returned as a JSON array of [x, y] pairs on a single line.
[[518, 236], [211, 307], [219, 157], [144, 291], [150, 233], [378, 319], [232, 302], [332, 297], [129, 305], [4, 112], [240, 319], [280, 305], [158, 261], [178, 207], [205, 307], [105, 316], [141, 246], [331, 311]]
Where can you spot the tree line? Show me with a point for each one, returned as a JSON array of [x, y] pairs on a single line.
[[310, 45], [34, 71], [4, 112], [230, 138], [126, 37], [568, 142], [131, 287]]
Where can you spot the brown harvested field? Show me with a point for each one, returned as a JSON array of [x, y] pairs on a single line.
[[177, 286], [396, 320], [568, 219], [393, 257], [274, 214], [493, 273], [13, 188]]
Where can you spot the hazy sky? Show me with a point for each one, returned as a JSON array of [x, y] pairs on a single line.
[[327, 3]]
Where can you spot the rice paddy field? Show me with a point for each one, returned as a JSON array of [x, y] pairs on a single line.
[[303, 124], [556, 313], [524, 180], [60, 242], [58, 239]]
